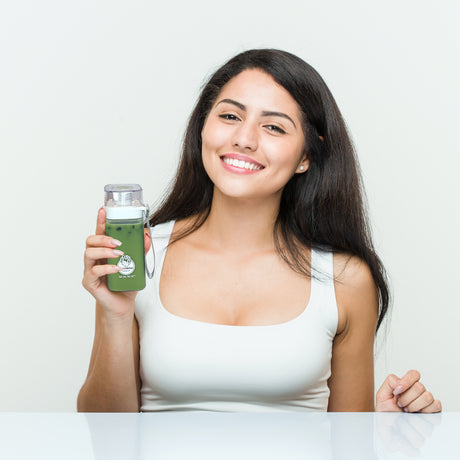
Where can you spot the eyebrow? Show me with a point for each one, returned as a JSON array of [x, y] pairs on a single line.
[[265, 113]]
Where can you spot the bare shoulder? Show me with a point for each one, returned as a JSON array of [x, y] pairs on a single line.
[[352, 272], [356, 291], [184, 229]]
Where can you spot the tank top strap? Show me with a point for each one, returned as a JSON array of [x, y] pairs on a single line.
[[322, 288], [160, 235], [322, 263]]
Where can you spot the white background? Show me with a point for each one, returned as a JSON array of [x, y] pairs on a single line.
[[96, 92]]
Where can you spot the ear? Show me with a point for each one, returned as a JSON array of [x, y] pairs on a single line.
[[303, 165]]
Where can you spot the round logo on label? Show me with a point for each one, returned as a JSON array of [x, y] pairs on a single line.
[[126, 264]]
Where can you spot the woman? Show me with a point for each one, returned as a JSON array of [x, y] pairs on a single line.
[[271, 292]]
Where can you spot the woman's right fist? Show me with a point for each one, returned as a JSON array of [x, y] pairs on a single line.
[[99, 248]]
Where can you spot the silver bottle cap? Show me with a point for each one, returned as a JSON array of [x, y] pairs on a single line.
[[123, 201]]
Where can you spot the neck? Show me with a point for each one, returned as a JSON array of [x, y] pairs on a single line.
[[241, 226]]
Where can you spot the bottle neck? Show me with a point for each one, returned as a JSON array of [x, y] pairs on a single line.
[[125, 212]]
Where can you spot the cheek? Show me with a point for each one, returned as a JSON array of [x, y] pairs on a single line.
[[287, 155], [206, 146], [210, 143], [211, 135]]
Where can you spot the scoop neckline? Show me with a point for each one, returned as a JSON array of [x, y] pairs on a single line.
[[157, 278]]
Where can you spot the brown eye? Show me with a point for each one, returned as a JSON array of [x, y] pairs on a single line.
[[229, 116], [276, 129]]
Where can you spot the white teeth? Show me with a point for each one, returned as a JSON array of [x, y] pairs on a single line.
[[241, 163]]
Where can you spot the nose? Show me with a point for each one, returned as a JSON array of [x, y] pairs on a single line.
[[245, 136]]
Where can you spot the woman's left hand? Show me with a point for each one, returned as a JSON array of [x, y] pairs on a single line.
[[406, 394]]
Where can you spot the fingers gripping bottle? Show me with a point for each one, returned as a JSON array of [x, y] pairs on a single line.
[[125, 215]]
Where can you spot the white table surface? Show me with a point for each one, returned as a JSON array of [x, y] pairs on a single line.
[[211, 435]]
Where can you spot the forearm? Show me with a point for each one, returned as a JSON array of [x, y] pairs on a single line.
[[111, 385]]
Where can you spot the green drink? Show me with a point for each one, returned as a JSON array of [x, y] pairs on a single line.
[[125, 222], [130, 232]]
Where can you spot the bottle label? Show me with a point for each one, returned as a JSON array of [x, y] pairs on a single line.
[[126, 264]]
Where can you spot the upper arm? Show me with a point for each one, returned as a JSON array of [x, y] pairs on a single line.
[[352, 367], [136, 360]]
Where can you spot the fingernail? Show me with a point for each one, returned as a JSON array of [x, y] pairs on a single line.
[[398, 390], [406, 409], [400, 404], [117, 252], [115, 242]]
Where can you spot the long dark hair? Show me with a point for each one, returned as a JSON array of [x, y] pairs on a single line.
[[323, 208]]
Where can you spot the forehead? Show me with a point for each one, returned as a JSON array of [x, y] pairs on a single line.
[[258, 90]]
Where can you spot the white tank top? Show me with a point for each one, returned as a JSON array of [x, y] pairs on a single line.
[[187, 364]]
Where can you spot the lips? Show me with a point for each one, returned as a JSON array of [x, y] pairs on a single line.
[[242, 162]]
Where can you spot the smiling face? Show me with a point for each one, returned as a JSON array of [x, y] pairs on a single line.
[[252, 139]]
